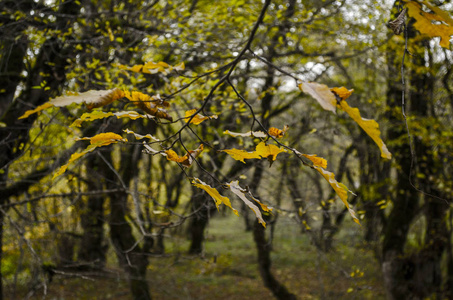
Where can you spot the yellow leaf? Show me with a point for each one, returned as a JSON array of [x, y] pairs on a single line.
[[73, 157], [431, 24], [38, 109], [136, 68], [371, 127], [342, 92], [153, 68], [277, 132], [151, 105], [102, 139], [258, 134], [442, 14], [268, 151], [171, 155], [95, 115], [218, 199], [340, 189], [321, 93], [261, 151], [185, 160], [198, 118], [131, 114], [240, 192], [316, 160], [241, 154]]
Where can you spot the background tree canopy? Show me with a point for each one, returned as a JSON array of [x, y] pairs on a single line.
[[171, 149]]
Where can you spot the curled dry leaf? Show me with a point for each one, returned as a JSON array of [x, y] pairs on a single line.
[[241, 193], [321, 93], [278, 133], [139, 136], [151, 105], [185, 160], [397, 25], [258, 134], [91, 99]]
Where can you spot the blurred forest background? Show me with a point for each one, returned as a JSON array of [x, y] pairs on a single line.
[[124, 224]]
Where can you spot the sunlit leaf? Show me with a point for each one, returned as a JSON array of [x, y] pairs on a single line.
[[218, 199], [153, 68], [240, 192], [198, 118], [437, 24], [38, 109], [371, 127], [268, 151], [316, 160], [104, 139], [96, 115], [321, 93], [340, 189], [241, 154], [99, 140], [261, 151]]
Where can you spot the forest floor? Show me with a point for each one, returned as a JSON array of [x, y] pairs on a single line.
[[228, 268]]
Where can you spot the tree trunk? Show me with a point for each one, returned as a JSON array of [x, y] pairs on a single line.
[[92, 247], [131, 256], [416, 275], [199, 221], [263, 247], [264, 264]]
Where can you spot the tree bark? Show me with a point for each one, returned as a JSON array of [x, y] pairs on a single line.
[[264, 264], [415, 275], [51, 60], [199, 221], [92, 247], [263, 247], [131, 256]]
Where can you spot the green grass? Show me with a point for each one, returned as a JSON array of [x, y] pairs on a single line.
[[228, 268]]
